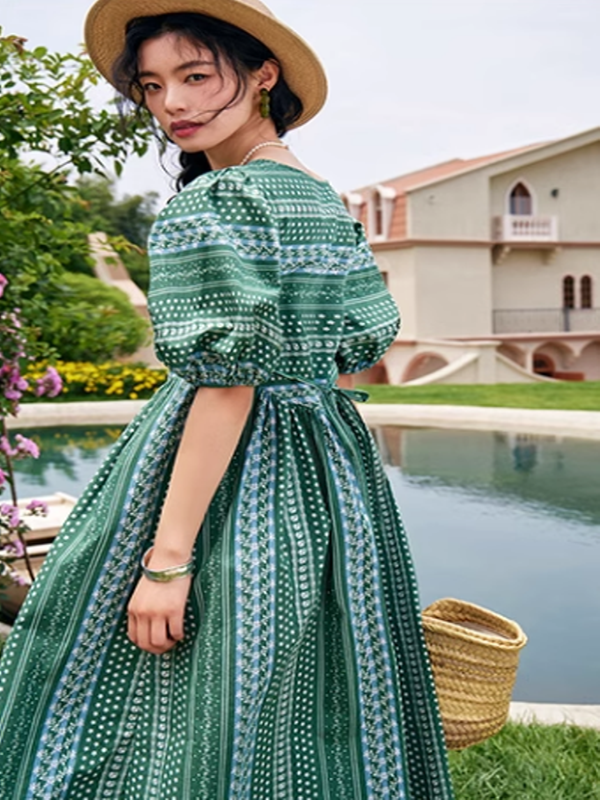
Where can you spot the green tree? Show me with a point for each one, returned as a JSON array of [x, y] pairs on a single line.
[[131, 218], [45, 109], [92, 322], [38, 239]]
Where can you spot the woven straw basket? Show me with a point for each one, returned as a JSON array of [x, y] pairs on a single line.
[[474, 655]]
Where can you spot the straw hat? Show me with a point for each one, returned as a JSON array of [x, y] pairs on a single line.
[[107, 20]]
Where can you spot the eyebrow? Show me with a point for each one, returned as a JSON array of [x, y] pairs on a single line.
[[181, 68]]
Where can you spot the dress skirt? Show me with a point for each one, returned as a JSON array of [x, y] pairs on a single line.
[[303, 674]]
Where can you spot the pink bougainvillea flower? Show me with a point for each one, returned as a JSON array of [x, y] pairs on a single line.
[[6, 448], [14, 549], [13, 383], [38, 508], [50, 385], [11, 514], [26, 447], [3, 283]]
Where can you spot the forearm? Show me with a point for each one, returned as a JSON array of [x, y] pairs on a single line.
[[346, 381], [212, 431]]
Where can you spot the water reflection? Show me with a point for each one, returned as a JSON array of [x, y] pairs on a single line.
[[511, 523], [560, 477], [69, 459]]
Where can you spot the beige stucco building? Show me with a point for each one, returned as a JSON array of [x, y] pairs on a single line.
[[494, 263]]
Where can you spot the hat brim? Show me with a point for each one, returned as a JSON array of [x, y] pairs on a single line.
[[107, 20]]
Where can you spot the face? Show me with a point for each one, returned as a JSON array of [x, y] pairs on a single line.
[[184, 90]]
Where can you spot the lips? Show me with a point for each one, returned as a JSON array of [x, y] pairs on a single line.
[[184, 128]]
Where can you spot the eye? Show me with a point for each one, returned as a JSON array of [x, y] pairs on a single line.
[[150, 87], [196, 77]]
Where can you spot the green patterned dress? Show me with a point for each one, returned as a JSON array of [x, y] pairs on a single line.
[[303, 675]]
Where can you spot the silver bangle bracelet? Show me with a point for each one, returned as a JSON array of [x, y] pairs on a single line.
[[168, 574]]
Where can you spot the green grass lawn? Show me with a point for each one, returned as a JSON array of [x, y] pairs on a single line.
[[584, 396], [530, 762]]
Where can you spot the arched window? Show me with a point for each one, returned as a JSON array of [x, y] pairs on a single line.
[[569, 292], [585, 289], [521, 202]]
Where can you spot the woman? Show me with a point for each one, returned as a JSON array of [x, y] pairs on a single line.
[[231, 610]]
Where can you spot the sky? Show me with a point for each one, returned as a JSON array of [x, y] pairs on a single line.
[[412, 82]]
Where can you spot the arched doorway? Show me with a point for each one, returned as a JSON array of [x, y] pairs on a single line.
[[521, 201], [543, 365]]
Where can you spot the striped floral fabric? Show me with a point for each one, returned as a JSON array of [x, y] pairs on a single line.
[[303, 675]]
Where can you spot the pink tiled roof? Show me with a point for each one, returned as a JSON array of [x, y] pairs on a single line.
[[404, 183]]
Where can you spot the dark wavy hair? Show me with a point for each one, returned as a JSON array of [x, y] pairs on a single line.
[[227, 43]]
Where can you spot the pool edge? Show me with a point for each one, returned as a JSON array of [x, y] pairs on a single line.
[[543, 422]]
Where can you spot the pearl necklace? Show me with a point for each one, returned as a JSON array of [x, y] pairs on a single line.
[[258, 147]]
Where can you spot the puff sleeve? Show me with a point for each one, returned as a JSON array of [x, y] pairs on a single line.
[[371, 318], [214, 286]]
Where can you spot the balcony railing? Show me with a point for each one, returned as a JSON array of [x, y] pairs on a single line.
[[524, 228], [547, 320]]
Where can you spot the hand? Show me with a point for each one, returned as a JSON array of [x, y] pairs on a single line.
[[155, 614]]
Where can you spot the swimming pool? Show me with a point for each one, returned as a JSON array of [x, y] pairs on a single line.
[[508, 521]]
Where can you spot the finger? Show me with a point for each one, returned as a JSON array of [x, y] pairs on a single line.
[[143, 638], [158, 633], [160, 651], [176, 627], [132, 628], [143, 634]]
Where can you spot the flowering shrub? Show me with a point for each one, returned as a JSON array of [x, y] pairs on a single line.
[[82, 380], [13, 384]]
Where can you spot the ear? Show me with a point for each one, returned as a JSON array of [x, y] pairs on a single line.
[[268, 75]]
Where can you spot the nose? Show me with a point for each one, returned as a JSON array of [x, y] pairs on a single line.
[[174, 99]]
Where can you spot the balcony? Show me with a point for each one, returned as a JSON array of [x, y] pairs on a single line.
[[525, 228], [546, 320], [524, 231]]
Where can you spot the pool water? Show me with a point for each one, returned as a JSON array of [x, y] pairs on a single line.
[[509, 522], [69, 459]]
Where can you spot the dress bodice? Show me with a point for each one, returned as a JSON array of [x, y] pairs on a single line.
[[260, 270]]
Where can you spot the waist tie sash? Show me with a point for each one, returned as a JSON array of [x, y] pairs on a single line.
[[280, 379]]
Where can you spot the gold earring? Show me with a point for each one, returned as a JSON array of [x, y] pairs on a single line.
[[265, 104]]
